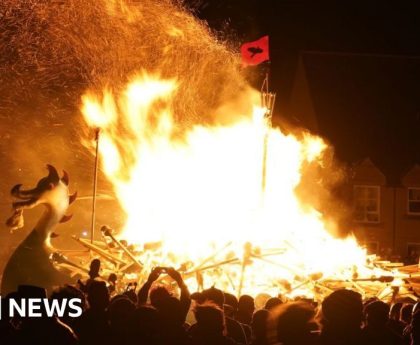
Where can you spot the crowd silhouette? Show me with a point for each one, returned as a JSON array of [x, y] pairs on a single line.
[[153, 315]]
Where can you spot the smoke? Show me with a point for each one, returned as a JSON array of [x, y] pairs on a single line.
[[320, 189]]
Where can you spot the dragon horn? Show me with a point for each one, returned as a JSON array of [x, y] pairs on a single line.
[[65, 178], [66, 218], [72, 197], [52, 174]]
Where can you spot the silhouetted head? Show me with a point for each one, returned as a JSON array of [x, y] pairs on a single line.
[[259, 324], [231, 301], [210, 319], [377, 314], [170, 311], [131, 295], [213, 295], [230, 306], [291, 323], [98, 295], [245, 310], [406, 313], [342, 310], [50, 190], [120, 311], [272, 303], [68, 292], [394, 313], [145, 324], [158, 294], [112, 279], [31, 291], [246, 304], [95, 266]]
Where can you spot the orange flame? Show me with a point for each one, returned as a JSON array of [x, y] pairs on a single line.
[[200, 194]]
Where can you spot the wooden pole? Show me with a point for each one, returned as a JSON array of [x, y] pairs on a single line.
[[245, 262], [267, 102], [95, 186], [108, 232]]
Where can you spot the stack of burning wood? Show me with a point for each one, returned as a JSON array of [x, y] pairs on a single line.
[[386, 281]]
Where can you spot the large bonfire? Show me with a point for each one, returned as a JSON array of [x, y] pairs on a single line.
[[194, 195], [183, 141], [199, 197]]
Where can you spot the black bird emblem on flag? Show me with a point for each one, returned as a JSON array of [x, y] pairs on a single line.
[[254, 51]]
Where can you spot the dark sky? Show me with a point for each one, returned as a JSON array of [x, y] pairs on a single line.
[[378, 28], [294, 26]]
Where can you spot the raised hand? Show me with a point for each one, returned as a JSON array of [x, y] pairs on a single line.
[[175, 275], [154, 275]]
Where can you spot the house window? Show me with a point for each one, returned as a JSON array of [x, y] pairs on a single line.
[[413, 252], [414, 201], [367, 204]]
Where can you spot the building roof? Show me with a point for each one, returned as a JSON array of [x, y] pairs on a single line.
[[412, 177], [366, 172], [366, 105]]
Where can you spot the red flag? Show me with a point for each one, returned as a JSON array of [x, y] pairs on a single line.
[[256, 52]]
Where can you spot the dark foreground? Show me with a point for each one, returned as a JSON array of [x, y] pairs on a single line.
[[153, 315]]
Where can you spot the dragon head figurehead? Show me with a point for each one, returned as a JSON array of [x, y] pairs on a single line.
[[51, 191]]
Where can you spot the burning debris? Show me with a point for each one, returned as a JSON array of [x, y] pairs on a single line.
[[200, 198], [182, 143], [383, 280]]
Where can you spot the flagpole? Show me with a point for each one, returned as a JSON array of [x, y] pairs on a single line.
[[267, 102], [95, 185], [254, 53]]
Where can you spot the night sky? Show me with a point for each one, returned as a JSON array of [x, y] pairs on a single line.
[[386, 125]]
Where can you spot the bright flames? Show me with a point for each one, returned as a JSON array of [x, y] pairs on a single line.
[[198, 196]]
